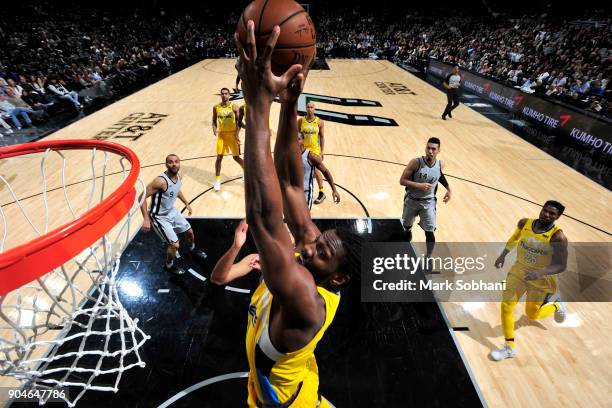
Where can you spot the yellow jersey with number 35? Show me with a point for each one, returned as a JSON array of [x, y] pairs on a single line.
[[276, 378], [533, 249]]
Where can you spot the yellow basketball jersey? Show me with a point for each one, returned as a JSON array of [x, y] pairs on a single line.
[[226, 120], [275, 377], [533, 249], [310, 131]]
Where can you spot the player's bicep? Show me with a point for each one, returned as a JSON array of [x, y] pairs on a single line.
[[408, 171], [559, 244], [156, 185]]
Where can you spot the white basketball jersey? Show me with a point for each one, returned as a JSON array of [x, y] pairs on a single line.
[[425, 174], [163, 201]]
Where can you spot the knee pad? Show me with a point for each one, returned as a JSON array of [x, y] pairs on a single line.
[[430, 236]]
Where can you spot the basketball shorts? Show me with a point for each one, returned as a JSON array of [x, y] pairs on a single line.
[[309, 194], [425, 209], [536, 290], [315, 148], [168, 226], [226, 141]]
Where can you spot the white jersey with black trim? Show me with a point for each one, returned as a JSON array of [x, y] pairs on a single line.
[[162, 202], [425, 174]]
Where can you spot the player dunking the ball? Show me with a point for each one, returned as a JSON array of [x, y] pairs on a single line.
[[297, 298], [541, 254], [163, 216], [312, 129], [225, 128]]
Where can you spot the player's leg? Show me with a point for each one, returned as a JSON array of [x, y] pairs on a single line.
[[542, 299], [427, 221], [181, 226], [321, 196], [220, 152], [411, 210], [171, 265], [515, 289], [231, 142], [164, 229]]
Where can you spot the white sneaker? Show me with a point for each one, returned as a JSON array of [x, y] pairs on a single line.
[[217, 185], [503, 353], [561, 312]]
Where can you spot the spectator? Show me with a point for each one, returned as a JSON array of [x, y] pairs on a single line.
[[60, 91], [11, 111]]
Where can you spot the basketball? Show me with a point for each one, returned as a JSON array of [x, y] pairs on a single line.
[[297, 40]]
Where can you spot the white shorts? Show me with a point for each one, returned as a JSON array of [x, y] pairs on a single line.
[[425, 209], [168, 226]]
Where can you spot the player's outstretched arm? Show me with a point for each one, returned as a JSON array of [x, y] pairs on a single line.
[[158, 184], [289, 166], [225, 271], [292, 285]]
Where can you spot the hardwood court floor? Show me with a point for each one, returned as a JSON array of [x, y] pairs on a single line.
[[497, 178]]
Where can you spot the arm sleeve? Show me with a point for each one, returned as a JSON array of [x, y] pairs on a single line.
[[443, 181], [513, 240]]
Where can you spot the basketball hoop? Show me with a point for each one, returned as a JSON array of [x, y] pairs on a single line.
[[64, 277]]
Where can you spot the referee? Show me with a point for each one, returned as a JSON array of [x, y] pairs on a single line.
[[451, 83]]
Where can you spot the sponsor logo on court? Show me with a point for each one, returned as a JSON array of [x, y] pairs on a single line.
[[338, 117], [132, 127], [394, 88]]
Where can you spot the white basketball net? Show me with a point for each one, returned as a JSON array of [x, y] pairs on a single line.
[[68, 329]]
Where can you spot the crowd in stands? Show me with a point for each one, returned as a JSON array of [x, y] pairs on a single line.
[[57, 59], [569, 61], [66, 58]]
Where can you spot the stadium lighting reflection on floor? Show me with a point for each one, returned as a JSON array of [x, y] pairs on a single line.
[[130, 288]]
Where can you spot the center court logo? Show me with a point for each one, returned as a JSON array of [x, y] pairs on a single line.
[[338, 117]]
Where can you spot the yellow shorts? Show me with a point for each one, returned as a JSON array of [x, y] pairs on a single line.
[[308, 396], [226, 141], [314, 148], [537, 290]]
